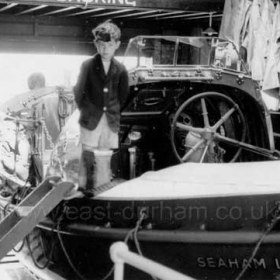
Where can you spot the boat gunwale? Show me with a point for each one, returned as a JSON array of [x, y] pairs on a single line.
[[171, 236]]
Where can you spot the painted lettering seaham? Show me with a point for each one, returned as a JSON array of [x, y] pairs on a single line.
[[230, 263], [237, 263]]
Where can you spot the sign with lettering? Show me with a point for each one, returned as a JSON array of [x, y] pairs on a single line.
[[102, 2], [232, 263], [185, 5], [238, 263]]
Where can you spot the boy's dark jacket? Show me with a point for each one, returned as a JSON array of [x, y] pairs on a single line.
[[97, 93]]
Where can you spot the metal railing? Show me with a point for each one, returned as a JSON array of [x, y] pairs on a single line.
[[120, 255]]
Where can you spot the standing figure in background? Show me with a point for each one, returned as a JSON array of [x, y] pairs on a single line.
[[36, 80], [100, 92], [16, 149], [36, 83], [49, 106], [44, 106]]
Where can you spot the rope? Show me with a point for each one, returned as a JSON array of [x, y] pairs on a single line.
[[20, 247], [275, 219], [137, 226], [49, 138], [133, 233], [41, 244], [81, 277], [65, 106], [36, 263], [108, 274]]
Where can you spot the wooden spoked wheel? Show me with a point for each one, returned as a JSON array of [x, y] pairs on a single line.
[[215, 133]]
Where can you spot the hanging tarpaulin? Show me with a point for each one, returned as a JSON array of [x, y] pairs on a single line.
[[233, 17], [271, 83], [249, 24], [260, 30], [255, 26]]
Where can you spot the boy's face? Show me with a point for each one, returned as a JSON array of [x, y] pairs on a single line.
[[107, 49]]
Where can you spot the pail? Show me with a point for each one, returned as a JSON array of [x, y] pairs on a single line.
[[102, 168]]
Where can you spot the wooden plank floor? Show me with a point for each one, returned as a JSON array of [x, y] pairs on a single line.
[[12, 269]]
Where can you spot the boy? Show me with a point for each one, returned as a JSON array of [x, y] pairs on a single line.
[[101, 90]]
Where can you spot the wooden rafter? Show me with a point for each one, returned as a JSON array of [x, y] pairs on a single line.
[[83, 12], [59, 11], [138, 14], [163, 14], [185, 16], [36, 8], [8, 7], [205, 16], [113, 13]]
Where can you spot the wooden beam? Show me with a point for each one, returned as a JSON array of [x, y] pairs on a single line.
[[184, 16], [163, 14], [8, 7], [36, 8], [201, 5], [113, 13], [58, 11], [86, 12], [138, 14], [206, 16]]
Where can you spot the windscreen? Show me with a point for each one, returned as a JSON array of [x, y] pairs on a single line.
[[153, 51]]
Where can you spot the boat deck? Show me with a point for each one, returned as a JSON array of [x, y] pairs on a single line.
[[12, 269]]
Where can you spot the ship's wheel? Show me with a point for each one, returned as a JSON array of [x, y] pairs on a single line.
[[216, 132]]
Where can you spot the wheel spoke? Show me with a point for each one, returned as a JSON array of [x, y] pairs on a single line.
[[192, 150], [189, 128], [228, 140], [204, 153], [204, 113], [224, 118], [245, 146]]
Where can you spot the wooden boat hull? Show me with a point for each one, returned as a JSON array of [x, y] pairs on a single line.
[[207, 221], [200, 245]]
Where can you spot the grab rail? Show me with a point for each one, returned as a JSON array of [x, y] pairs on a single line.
[[120, 254]]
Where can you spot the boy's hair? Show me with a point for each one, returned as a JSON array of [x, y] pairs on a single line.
[[106, 32]]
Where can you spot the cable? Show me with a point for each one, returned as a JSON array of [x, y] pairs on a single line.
[[137, 226], [64, 249], [66, 253], [33, 258], [49, 257], [275, 219], [20, 247], [136, 241], [68, 257], [129, 235], [71, 263], [133, 234], [108, 274]]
